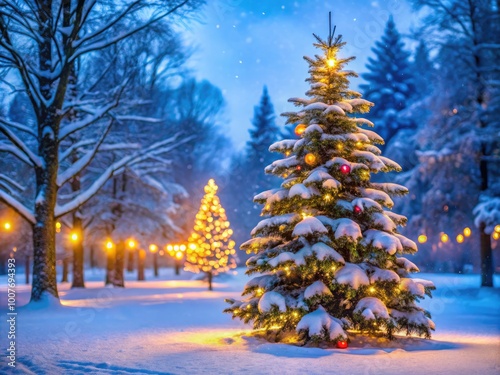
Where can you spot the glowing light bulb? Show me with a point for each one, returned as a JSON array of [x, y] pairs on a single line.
[[109, 245], [444, 238], [7, 226], [331, 62], [74, 237], [497, 228], [460, 238], [153, 248], [496, 235], [131, 244], [422, 238], [300, 129], [310, 159], [467, 232]]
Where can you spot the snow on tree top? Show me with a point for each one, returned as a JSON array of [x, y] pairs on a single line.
[[317, 289], [363, 121], [265, 282], [282, 163], [358, 101], [378, 195], [409, 266], [342, 227], [316, 321], [275, 221], [300, 101], [425, 283], [390, 163], [285, 144], [366, 203], [374, 137], [315, 106], [299, 190], [334, 109], [323, 251], [352, 275], [382, 240], [381, 219], [313, 128], [259, 242], [413, 287], [317, 175], [307, 226], [378, 274], [265, 194], [406, 242], [414, 317], [270, 299], [390, 188], [277, 196], [372, 308], [374, 161]]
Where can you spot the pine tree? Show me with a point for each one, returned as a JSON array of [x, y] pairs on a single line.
[[390, 82], [329, 256], [211, 249], [247, 167]]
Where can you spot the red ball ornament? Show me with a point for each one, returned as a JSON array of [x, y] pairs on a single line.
[[299, 167], [342, 344], [357, 210], [345, 169]]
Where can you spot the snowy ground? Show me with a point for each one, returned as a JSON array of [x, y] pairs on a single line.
[[173, 325]]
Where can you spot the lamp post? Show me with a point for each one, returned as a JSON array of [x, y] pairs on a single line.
[[110, 262], [154, 250]]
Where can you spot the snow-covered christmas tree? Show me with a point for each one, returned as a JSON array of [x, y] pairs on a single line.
[[210, 248], [329, 257]]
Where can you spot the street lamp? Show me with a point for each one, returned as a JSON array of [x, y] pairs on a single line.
[[154, 250], [177, 252], [7, 226]]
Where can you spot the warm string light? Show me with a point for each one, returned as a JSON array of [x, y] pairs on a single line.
[[7, 226], [210, 246], [310, 159], [300, 129]]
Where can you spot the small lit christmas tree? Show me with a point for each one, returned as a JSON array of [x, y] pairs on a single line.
[[329, 256], [210, 248]]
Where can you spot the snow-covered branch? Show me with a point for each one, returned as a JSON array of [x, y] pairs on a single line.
[[17, 206], [9, 185], [18, 126], [22, 151], [85, 160], [115, 169]]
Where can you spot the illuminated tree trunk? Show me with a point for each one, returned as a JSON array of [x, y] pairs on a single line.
[[210, 277], [130, 260], [65, 270], [140, 265], [110, 267], [119, 264]]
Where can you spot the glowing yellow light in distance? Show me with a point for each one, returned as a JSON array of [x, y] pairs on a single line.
[[153, 248], [170, 247], [74, 237], [467, 232], [327, 197], [109, 245], [58, 225], [372, 289], [496, 235], [182, 247], [331, 63], [7, 226], [131, 244], [422, 238], [460, 238], [178, 254], [444, 238], [497, 228]]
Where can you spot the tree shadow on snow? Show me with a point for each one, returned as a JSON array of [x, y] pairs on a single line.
[[357, 346]]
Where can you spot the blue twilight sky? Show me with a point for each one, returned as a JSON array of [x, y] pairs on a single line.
[[242, 45]]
